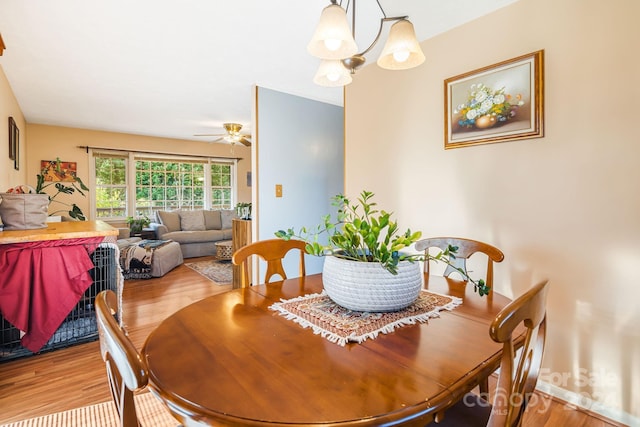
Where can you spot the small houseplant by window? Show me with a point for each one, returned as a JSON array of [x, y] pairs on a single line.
[[243, 210], [137, 224]]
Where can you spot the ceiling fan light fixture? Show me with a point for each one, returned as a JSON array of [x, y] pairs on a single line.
[[332, 38], [232, 135], [232, 128], [332, 74], [232, 138], [402, 50]]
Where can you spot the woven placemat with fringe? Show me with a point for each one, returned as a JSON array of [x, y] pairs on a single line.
[[341, 326]]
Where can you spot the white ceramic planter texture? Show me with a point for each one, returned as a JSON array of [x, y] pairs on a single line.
[[367, 286]]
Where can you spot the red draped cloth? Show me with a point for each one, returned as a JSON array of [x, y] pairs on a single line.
[[41, 282]]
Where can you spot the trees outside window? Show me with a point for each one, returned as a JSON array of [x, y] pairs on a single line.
[[160, 184], [168, 185], [110, 187], [221, 188]]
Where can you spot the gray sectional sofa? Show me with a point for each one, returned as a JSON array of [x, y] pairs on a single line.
[[197, 231]]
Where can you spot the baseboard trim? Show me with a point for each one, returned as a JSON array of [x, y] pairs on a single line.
[[592, 407]]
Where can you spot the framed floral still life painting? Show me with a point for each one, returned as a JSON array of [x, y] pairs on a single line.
[[497, 103]]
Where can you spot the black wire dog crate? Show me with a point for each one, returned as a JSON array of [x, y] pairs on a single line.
[[80, 324]]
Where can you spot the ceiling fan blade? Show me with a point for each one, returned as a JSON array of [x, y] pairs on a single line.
[[209, 134], [245, 141]]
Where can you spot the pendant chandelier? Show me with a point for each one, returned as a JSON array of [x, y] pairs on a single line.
[[334, 43]]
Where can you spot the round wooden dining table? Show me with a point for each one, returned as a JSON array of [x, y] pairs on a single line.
[[230, 360]]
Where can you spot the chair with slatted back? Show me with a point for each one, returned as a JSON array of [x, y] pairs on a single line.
[[272, 251], [519, 369], [126, 370], [466, 248]]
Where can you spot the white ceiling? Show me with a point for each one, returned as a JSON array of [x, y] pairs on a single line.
[[177, 68]]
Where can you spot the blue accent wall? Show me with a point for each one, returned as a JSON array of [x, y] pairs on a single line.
[[300, 145]]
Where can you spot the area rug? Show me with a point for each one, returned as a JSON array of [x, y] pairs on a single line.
[[341, 326], [219, 272], [150, 411]]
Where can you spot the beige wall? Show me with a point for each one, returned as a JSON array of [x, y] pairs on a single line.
[[49, 142], [10, 177], [565, 207]]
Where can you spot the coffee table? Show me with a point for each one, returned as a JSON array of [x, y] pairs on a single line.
[[224, 250]]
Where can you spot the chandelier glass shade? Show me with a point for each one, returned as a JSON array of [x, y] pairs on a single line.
[[402, 50], [333, 42], [331, 73], [333, 38]]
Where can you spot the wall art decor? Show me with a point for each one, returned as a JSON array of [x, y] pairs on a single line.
[[54, 170], [16, 151], [12, 138], [14, 143], [496, 103]]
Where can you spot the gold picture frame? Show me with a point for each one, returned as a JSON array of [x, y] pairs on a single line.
[[14, 143], [497, 103], [57, 170], [12, 138]]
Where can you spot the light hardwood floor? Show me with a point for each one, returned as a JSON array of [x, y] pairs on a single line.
[[73, 377]]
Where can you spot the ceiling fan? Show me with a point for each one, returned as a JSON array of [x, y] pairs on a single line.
[[232, 136]]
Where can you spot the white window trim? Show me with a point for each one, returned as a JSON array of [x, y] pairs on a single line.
[[131, 176]]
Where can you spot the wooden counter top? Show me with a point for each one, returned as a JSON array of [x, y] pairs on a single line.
[[59, 230]]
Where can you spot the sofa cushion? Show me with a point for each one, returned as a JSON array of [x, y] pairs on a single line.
[[171, 220], [184, 237], [191, 220], [227, 216], [212, 220]]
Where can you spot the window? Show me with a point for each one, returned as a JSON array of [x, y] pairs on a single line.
[[132, 184], [110, 186], [221, 186], [168, 185]]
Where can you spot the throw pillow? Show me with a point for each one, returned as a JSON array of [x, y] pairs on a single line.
[[171, 220], [192, 220], [212, 220], [227, 216]]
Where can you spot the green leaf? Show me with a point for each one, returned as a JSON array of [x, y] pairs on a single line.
[[82, 186], [76, 213]]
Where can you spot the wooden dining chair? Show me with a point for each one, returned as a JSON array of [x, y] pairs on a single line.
[[466, 248], [519, 368], [272, 251], [126, 370]]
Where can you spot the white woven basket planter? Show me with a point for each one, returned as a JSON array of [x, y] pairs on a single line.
[[367, 286]]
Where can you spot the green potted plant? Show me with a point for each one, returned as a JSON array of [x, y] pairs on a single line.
[[243, 210], [136, 224], [62, 187], [363, 237]]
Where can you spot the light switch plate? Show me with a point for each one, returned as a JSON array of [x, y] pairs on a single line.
[[278, 190]]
